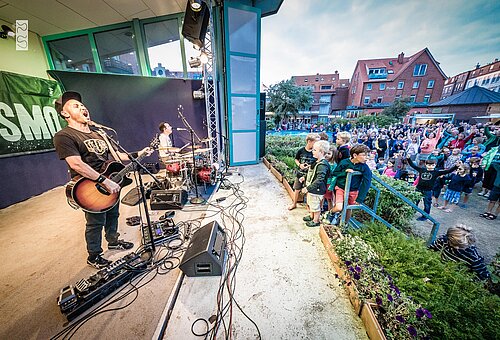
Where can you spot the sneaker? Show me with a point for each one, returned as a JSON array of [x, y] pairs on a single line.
[[121, 245], [462, 205], [335, 220], [97, 261], [422, 218], [307, 218], [312, 224]]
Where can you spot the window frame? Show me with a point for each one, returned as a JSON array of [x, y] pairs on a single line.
[[402, 86], [417, 82], [418, 72], [381, 86], [369, 87], [429, 86]]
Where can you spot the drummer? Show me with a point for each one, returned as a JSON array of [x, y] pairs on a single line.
[[166, 148]]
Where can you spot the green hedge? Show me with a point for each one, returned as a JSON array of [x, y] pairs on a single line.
[[461, 307]]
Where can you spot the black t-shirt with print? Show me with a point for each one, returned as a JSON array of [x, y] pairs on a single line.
[[90, 146], [304, 156]]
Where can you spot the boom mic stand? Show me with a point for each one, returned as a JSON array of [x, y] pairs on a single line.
[[197, 199], [141, 185]]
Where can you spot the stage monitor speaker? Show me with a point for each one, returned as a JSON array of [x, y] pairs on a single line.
[[195, 24], [168, 199], [205, 255]]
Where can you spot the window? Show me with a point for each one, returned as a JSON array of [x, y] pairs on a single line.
[[305, 80], [427, 98], [398, 96], [416, 84], [325, 99], [324, 109], [367, 100], [377, 73], [401, 85], [326, 87], [164, 50], [420, 70], [368, 87], [317, 79], [72, 54], [412, 98], [382, 86], [379, 99], [430, 84], [116, 50]]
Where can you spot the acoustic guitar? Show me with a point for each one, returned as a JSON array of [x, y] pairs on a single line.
[[93, 197]]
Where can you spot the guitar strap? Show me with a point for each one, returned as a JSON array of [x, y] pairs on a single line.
[[110, 147]]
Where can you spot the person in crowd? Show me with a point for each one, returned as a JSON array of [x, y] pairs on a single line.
[[438, 157], [494, 196], [492, 134], [86, 153], [489, 171], [304, 159], [381, 166], [342, 141], [458, 246], [476, 174], [474, 153], [315, 182], [458, 182], [453, 158], [381, 144], [428, 144], [461, 140], [397, 145], [400, 164], [371, 160], [476, 142], [426, 181], [413, 146], [449, 134], [330, 156], [323, 136], [359, 184], [389, 171]]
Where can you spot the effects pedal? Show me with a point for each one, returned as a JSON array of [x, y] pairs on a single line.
[[163, 231]]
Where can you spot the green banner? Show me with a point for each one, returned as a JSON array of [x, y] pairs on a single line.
[[28, 119]]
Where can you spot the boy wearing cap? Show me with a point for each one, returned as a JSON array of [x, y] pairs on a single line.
[[86, 153]]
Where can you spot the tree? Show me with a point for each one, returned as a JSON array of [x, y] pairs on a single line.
[[285, 99], [398, 109]]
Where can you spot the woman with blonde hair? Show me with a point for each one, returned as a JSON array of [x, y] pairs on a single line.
[[458, 246]]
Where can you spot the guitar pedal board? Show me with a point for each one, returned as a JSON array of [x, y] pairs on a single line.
[[163, 231], [75, 299]]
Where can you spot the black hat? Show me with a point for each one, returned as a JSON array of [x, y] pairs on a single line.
[[59, 104]]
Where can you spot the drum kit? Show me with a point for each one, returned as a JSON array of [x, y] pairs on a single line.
[[181, 167]]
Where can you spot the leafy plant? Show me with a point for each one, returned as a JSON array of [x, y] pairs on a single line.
[[461, 307], [286, 98], [380, 120], [398, 109]]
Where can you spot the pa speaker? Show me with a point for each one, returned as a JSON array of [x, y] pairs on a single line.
[[168, 199], [205, 255], [195, 24]]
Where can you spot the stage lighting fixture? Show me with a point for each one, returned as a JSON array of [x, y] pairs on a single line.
[[204, 58], [199, 94], [194, 62], [195, 5], [6, 32]]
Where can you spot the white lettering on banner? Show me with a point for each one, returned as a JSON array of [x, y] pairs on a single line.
[[15, 134], [41, 124], [21, 35]]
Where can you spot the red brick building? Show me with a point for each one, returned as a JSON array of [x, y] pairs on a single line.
[[329, 92], [376, 83]]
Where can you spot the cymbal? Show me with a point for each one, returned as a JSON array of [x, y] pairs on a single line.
[[202, 150], [171, 149], [206, 140]]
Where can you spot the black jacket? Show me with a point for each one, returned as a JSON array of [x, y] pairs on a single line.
[[321, 173]]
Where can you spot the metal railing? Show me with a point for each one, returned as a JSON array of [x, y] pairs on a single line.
[[373, 211]]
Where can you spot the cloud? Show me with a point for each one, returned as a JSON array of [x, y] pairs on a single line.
[[320, 36]]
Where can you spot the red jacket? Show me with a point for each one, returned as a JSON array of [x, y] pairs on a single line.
[[460, 143]]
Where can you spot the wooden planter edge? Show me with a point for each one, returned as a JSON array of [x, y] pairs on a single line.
[[276, 174], [370, 321], [266, 162]]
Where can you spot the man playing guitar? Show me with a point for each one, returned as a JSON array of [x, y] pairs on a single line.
[[86, 153]]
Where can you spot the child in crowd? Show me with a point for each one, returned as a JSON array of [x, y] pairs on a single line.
[[436, 190], [476, 174], [371, 160], [342, 141], [381, 166], [427, 180], [315, 182], [389, 170], [400, 164], [475, 142], [438, 157], [453, 158], [474, 152], [458, 182], [494, 196], [359, 183], [304, 159], [330, 156]]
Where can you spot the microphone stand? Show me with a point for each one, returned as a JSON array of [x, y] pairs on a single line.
[[197, 199], [141, 185]]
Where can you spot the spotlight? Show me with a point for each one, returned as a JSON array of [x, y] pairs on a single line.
[[195, 5], [194, 62], [6, 32], [204, 58], [199, 94]]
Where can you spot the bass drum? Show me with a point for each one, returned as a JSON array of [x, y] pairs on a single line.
[[207, 175]]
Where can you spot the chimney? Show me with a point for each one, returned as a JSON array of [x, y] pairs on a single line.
[[401, 57], [478, 66]]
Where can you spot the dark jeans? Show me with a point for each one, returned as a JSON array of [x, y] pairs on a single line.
[[427, 200], [93, 229]]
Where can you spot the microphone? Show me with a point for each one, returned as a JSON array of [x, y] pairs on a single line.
[[180, 129], [94, 124]]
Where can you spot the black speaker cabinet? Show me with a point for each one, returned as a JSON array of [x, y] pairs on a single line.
[[205, 255], [195, 24], [168, 199]]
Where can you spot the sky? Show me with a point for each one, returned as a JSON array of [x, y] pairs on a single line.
[[320, 36]]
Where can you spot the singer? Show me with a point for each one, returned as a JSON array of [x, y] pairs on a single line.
[[86, 152]]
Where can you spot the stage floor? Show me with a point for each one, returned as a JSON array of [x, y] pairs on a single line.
[[285, 281]]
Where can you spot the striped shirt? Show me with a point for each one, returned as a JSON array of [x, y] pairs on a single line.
[[469, 256]]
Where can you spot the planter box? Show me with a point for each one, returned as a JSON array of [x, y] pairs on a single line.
[[266, 162], [372, 326], [350, 289], [277, 174], [288, 188]]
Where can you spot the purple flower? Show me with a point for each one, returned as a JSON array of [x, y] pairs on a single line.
[[397, 291], [419, 313], [347, 263], [350, 268], [358, 269], [427, 313], [389, 297], [412, 331], [400, 318], [378, 300], [356, 276]]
